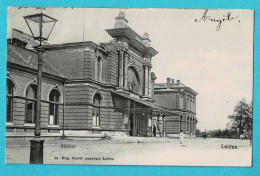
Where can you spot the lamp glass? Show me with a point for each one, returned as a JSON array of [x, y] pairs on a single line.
[[40, 25]]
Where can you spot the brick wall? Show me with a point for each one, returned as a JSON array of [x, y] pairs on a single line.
[[166, 99]]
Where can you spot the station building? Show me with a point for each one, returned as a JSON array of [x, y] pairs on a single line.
[[87, 88], [181, 100]]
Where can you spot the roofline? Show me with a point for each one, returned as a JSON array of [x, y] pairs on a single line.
[[44, 60], [34, 71], [172, 89], [131, 35], [69, 45]]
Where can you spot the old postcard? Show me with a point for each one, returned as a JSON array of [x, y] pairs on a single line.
[[114, 86]]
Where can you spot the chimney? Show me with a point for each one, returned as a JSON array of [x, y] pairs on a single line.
[[172, 82], [168, 83], [178, 82], [121, 21]]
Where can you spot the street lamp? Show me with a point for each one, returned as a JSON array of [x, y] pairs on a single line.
[[40, 26]]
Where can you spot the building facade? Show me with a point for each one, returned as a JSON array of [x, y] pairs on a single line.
[[105, 88], [181, 100]]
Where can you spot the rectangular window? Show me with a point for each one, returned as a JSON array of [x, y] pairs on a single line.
[[96, 119], [181, 102]]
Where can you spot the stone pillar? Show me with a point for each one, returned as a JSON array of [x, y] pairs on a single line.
[[146, 80], [120, 68], [149, 83], [190, 126], [125, 69], [96, 68], [121, 73]]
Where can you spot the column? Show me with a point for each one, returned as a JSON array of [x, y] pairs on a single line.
[[146, 81], [149, 82], [121, 63], [125, 69], [190, 126], [96, 68]]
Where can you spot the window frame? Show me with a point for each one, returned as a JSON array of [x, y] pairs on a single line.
[[9, 100], [56, 108], [96, 110], [33, 101]]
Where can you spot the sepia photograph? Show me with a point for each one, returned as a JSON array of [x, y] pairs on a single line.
[[129, 86]]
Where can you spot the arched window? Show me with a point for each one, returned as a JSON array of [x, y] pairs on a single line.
[[96, 110], [9, 100], [54, 98], [30, 104], [133, 81]]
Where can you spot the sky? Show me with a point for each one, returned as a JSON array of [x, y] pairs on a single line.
[[216, 64]]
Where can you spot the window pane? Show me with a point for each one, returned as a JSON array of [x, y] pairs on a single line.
[[96, 109], [97, 121], [54, 96], [56, 119], [54, 110], [9, 100], [51, 109], [31, 92], [94, 120], [30, 111]]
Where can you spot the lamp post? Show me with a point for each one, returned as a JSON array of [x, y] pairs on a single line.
[[40, 26]]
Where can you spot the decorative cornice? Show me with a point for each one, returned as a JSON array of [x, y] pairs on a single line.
[[121, 46], [133, 39]]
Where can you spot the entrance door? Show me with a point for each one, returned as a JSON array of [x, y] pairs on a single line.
[[131, 121]]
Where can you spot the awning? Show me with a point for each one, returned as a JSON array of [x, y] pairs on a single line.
[[146, 103]]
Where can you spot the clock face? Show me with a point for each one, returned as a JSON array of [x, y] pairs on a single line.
[[122, 14]]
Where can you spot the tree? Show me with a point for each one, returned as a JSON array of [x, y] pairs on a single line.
[[242, 119]]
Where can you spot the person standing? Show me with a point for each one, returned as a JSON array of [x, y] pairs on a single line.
[[154, 130], [181, 137]]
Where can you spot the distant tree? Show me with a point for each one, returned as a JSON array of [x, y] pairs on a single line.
[[241, 120], [225, 133]]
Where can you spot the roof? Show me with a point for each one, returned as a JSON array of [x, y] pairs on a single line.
[[173, 86], [70, 64], [68, 58], [164, 85], [29, 58]]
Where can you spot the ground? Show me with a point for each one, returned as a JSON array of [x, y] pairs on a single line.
[[136, 151]]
